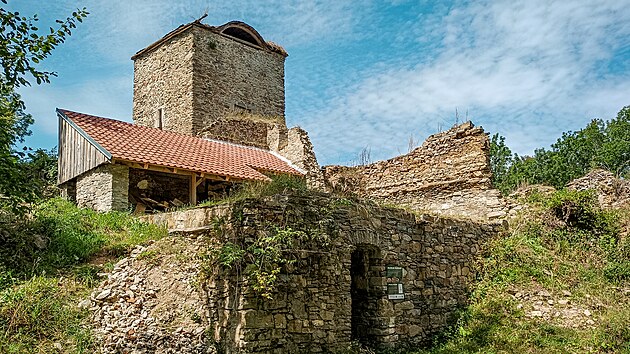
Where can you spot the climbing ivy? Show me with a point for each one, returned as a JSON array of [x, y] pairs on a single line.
[[262, 260]]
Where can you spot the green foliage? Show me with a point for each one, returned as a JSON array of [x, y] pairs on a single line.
[[601, 144], [230, 254], [40, 168], [267, 255], [59, 236], [46, 270], [563, 242], [262, 260], [580, 212], [500, 160], [40, 312], [22, 48]]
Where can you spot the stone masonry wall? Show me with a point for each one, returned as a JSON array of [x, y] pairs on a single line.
[[68, 190], [214, 86], [232, 77], [449, 174], [104, 188], [295, 145], [243, 128], [316, 307], [163, 78]]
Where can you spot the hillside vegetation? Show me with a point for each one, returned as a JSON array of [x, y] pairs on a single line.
[[558, 282], [49, 263]]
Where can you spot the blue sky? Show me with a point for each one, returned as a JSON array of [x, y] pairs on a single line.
[[371, 73]]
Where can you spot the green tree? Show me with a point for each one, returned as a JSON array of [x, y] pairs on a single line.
[[614, 153], [601, 144], [22, 48], [501, 159]]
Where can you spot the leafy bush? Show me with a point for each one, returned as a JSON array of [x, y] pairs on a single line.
[[581, 215]]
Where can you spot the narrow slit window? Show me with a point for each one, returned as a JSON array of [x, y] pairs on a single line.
[[159, 120]]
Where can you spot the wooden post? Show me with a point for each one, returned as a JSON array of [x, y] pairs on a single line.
[[193, 189]]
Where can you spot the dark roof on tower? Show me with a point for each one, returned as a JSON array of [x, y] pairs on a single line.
[[237, 30]]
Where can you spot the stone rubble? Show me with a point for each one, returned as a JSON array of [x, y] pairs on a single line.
[[149, 304], [612, 192], [558, 309]]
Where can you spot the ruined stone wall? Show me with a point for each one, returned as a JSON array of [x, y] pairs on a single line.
[[104, 188], [295, 145], [231, 77], [449, 175], [163, 78], [312, 309], [243, 128], [612, 192]]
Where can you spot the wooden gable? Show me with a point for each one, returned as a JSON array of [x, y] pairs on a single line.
[[78, 153]]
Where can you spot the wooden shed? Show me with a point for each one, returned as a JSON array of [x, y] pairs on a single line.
[[107, 164]]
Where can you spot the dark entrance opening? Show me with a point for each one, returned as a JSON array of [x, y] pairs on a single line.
[[365, 275]]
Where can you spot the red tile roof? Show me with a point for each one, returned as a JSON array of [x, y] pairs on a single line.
[[147, 145]]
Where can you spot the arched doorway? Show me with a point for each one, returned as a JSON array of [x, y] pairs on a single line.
[[365, 273]]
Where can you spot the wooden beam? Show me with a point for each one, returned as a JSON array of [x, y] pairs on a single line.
[[193, 189], [199, 181], [174, 170]]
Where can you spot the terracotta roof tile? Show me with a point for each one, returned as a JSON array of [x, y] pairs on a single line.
[[141, 144]]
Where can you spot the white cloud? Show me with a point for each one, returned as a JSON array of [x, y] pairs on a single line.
[[118, 29], [517, 65], [106, 97], [526, 69]]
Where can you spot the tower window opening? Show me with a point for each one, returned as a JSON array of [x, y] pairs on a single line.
[[241, 34]]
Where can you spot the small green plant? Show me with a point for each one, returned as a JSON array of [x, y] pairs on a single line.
[[268, 254], [229, 254], [262, 260], [257, 189], [151, 257]]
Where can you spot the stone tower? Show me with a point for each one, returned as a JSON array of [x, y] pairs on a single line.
[[223, 82]]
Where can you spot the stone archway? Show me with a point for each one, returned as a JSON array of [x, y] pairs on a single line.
[[365, 273]]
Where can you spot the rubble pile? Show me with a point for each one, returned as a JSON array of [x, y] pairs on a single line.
[[150, 303]]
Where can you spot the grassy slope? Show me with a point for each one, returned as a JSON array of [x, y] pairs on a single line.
[[572, 253], [561, 244], [40, 288]]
